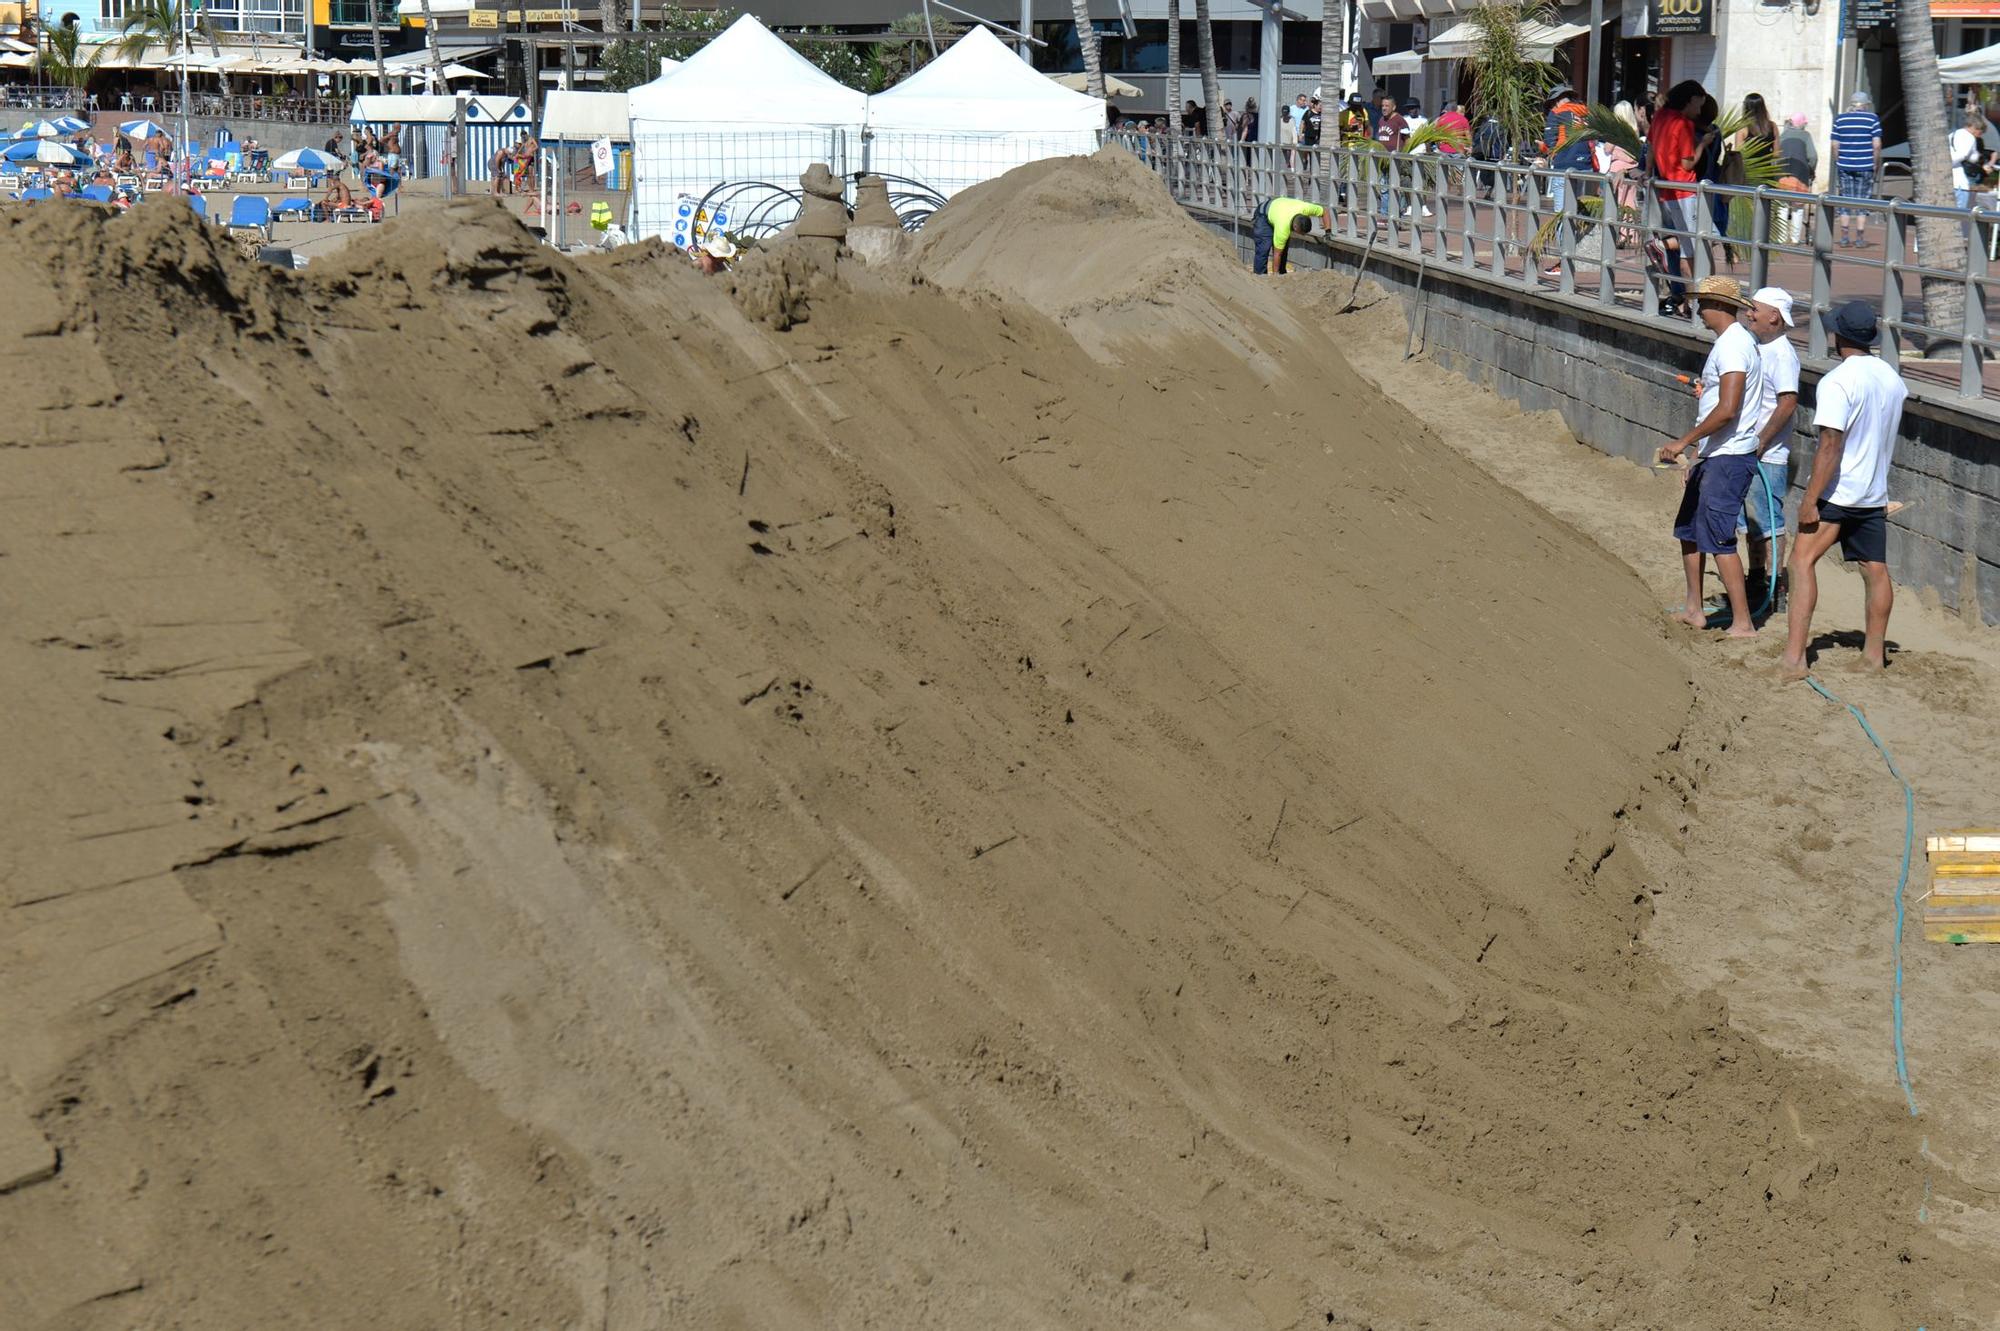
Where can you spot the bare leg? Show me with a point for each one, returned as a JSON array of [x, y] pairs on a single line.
[[1812, 543], [1692, 562], [1730, 566], [1881, 597]]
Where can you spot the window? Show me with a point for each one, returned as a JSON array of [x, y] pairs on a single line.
[[354, 14], [110, 13]]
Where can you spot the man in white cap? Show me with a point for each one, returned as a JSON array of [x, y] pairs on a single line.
[[1769, 317], [1725, 434]]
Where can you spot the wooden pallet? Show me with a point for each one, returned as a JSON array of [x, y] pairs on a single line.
[[1963, 904]]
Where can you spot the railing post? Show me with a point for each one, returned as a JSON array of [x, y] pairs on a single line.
[[1530, 274], [1468, 220], [1503, 189], [1566, 237], [1894, 246], [1702, 227], [1608, 226], [1760, 236], [1822, 274], [1971, 354]]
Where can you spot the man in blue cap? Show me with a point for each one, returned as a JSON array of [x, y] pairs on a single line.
[[1860, 409]]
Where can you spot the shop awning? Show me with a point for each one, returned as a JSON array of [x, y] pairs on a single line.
[[1982, 66], [1461, 40], [1402, 62]]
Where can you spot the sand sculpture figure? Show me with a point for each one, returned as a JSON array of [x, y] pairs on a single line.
[[876, 233], [822, 224]]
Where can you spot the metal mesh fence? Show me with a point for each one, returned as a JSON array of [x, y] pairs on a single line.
[[672, 168], [949, 163]]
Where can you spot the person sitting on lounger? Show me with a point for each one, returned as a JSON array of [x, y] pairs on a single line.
[[338, 197]]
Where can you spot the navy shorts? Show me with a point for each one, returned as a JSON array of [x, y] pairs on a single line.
[[1864, 532], [1712, 500]]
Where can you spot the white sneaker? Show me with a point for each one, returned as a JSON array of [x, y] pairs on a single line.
[[1427, 212]]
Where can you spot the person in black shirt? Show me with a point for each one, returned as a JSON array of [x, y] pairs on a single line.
[[1309, 128]]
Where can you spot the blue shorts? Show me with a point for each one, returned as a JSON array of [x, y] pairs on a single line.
[[1712, 501], [1764, 512]]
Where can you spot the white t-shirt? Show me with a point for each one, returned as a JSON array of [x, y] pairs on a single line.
[[1734, 351], [1781, 375], [1862, 396], [1964, 146]]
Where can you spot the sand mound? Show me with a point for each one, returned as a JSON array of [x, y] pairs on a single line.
[[1097, 243], [541, 787]]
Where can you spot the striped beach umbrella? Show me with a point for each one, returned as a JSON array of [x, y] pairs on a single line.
[[308, 159]]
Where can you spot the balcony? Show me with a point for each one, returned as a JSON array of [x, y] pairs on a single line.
[[354, 14]]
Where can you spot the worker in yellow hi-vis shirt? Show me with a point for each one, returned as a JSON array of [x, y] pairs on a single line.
[[1277, 221]]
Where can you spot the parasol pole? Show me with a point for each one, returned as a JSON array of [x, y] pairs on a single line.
[[181, 15]]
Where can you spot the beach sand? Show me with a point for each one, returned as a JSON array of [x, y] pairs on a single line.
[[1012, 787]]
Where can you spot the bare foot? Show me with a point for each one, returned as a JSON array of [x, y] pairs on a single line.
[[1694, 619], [1792, 671], [1742, 631]]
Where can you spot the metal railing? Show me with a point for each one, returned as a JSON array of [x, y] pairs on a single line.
[[291, 109], [1542, 230], [43, 96]]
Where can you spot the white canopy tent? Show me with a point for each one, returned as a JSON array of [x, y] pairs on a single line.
[[586, 117], [974, 113], [1540, 40], [1981, 66], [746, 107]]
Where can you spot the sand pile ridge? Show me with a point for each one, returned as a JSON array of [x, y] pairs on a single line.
[[669, 816]]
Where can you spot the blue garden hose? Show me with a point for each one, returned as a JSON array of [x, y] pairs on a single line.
[[1902, 882]]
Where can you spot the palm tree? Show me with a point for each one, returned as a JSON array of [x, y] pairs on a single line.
[[1941, 239], [168, 23], [438, 84], [1332, 53], [61, 58], [1508, 83], [1086, 37], [375, 36], [1211, 84], [1174, 62]]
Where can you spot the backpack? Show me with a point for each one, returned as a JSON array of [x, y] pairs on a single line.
[[1489, 141]]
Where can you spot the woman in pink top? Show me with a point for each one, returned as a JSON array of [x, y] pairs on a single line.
[[1619, 164]]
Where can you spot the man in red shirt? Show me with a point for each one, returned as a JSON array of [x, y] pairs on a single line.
[[1671, 145]]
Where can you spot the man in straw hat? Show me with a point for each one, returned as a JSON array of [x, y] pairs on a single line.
[[1725, 437], [1860, 409]]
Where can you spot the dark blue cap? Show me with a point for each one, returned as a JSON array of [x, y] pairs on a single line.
[[1853, 322]]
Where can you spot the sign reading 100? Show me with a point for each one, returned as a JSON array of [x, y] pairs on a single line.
[[1680, 18]]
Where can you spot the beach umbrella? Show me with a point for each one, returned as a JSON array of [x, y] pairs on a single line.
[[43, 150], [38, 129], [141, 129], [308, 159], [70, 124]]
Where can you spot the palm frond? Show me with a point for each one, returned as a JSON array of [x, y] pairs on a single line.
[[1508, 84], [1432, 134], [1588, 209], [1602, 123]]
